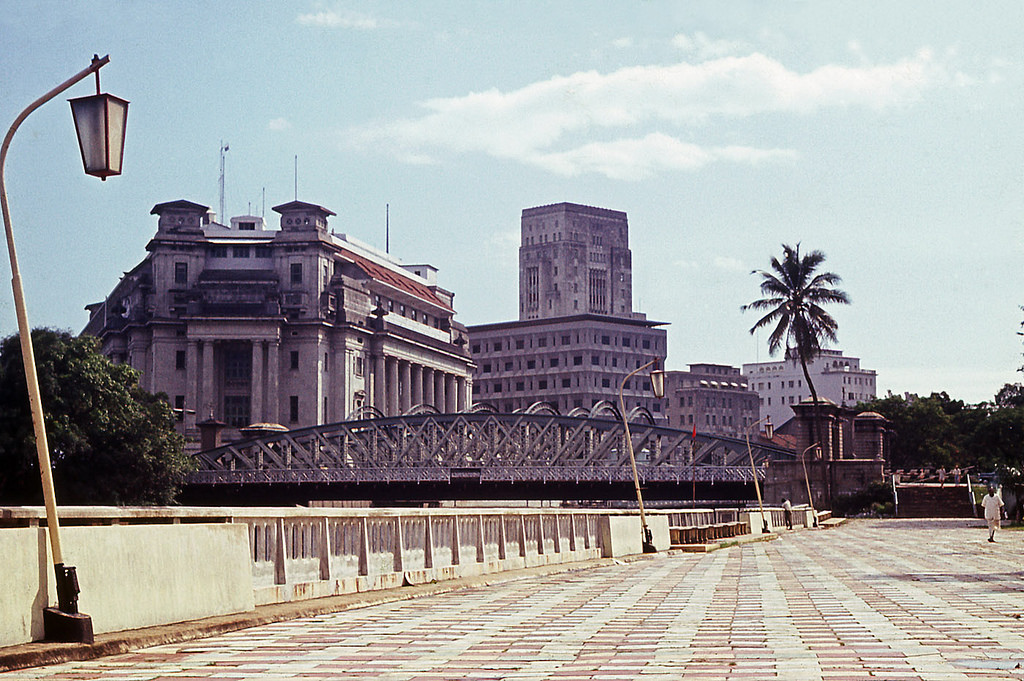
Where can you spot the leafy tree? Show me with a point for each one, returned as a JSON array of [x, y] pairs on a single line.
[[795, 293], [1010, 395], [111, 441]]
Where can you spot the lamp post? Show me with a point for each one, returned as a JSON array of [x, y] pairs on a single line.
[[807, 481], [100, 122], [658, 387], [769, 431]]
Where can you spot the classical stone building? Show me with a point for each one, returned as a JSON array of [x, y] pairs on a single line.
[[577, 336], [299, 326], [781, 383], [711, 398]]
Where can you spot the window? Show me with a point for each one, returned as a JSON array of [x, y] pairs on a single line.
[[475, 349], [530, 364], [240, 252], [264, 252], [542, 342], [577, 360], [486, 368], [296, 272], [181, 273], [247, 226], [606, 383], [553, 362], [497, 347], [293, 408], [237, 367], [179, 407], [595, 360], [236, 410], [646, 344], [218, 251], [519, 344], [508, 366], [179, 359], [293, 360], [565, 340], [542, 384], [606, 340], [520, 386], [566, 383], [358, 362]]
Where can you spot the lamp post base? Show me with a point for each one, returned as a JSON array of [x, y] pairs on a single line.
[[66, 627]]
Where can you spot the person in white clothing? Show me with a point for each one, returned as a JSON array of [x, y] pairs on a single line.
[[993, 505]]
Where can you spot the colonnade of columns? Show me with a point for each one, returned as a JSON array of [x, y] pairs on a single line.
[[399, 385]]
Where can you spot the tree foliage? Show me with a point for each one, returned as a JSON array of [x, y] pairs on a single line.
[[111, 442], [795, 294], [940, 431]]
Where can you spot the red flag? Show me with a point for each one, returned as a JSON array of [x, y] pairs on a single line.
[[695, 431]]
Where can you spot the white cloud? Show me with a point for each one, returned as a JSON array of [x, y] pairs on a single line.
[[338, 19], [729, 264], [278, 124], [624, 124], [703, 47], [623, 42]]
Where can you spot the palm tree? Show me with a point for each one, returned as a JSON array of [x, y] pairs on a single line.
[[794, 295]]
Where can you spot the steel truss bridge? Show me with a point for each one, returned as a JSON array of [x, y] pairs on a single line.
[[480, 454]]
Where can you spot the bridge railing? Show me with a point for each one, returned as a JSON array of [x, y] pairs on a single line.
[[304, 553]]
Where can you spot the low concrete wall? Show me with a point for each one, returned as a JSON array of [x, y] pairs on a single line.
[[130, 576], [145, 566]]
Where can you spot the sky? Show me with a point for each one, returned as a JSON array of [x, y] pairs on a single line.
[[885, 134]]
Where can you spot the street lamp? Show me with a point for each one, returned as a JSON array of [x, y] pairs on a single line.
[[769, 431], [100, 122], [658, 387], [807, 481]]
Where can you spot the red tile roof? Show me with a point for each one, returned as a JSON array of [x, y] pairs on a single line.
[[395, 280]]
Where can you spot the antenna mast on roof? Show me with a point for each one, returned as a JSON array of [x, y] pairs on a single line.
[[223, 149], [296, 177], [387, 228]]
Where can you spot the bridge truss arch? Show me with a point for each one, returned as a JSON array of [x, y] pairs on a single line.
[[538, 447]]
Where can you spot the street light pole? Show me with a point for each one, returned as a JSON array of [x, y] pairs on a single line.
[[63, 623], [807, 481], [658, 386], [769, 431]]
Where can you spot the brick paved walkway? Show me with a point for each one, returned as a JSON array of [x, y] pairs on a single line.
[[911, 599]]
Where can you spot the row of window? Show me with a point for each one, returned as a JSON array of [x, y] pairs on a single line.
[[488, 387], [564, 339]]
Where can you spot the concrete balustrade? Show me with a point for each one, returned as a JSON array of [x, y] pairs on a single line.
[[147, 566]]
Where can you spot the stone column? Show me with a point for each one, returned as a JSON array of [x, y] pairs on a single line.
[[208, 406], [428, 385], [378, 384], [192, 384], [416, 396], [256, 414], [392, 386], [404, 386], [271, 409], [462, 403], [439, 400], [450, 394]]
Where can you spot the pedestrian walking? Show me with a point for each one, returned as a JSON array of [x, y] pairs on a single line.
[[993, 505], [942, 476], [787, 511], [956, 474]]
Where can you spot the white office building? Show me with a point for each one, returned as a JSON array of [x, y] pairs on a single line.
[[781, 383]]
